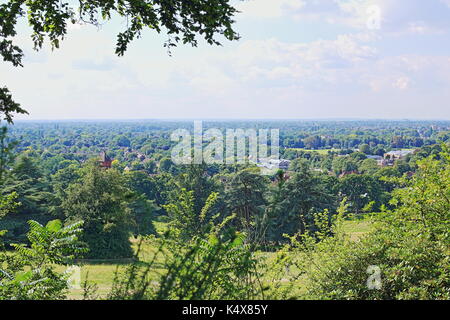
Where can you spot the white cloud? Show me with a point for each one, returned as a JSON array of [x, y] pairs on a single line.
[[304, 64], [350, 12], [414, 16], [336, 76], [446, 2], [395, 16], [402, 83], [266, 9]]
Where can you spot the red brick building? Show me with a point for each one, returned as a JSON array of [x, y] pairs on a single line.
[[105, 160]]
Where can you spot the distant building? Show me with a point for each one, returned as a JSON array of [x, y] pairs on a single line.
[[105, 160], [274, 164], [375, 157], [383, 162], [392, 156], [398, 154]]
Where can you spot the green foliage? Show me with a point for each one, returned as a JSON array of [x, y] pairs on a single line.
[[123, 141], [7, 105], [32, 187], [141, 183], [185, 219], [409, 243], [143, 213], [166, 165], [425, 199], [195, 179], [368, 166], [52, 244], [218, 266], [6, 153], [101, 200], [8, 204], [150, 167], [360, 190], [60, 182], [245, 196], [296, 201], [29, 273], [409, 246], [213, 264], [344, 164], [365, 148]]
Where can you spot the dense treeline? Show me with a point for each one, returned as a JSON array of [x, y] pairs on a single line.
[[61, 188], [55, 174], [80, 140]]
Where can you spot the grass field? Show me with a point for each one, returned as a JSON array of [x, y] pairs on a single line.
[[102, 273], [357, 228]]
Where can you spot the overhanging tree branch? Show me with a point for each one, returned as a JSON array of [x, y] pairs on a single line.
[[183, 20], [8, 107]]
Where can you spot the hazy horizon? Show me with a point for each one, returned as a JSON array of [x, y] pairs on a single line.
[[231, 119]]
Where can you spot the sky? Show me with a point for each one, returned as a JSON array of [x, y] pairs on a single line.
[[296, 59]]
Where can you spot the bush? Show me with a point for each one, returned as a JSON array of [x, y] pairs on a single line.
[[29, 272], [409, 246], [214, 263]]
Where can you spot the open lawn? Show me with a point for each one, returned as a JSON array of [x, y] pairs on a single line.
[[357, 228], [102, 273]]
